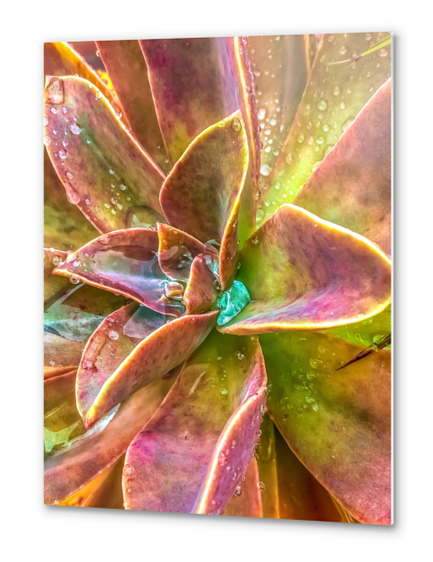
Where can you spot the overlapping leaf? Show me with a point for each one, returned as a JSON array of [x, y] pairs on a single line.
[[110, 344], [152, 358], [191, 95], [70, 470], [352, 187], [124, 262], [105, 172], [195, 450], [127, 68], [335, 94], [338, 423], [202, 194], [303, 272]]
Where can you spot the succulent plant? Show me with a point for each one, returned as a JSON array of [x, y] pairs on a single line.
[[222, 209]]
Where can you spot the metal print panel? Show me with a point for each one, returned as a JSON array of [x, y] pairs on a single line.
[[218, 276]]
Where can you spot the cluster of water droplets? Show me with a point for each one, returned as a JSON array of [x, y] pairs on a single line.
[[329, 106]]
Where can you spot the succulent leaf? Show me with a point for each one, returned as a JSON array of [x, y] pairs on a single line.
[[202, 193], [109, 345], [65, 226], [191, 95], [124, 262], [105, 172], [281, 79], [352, 186], [127, 68], [176, 251], [69, 471], [306, 273], [334, 96], [153, 357], [191, 455], [337, 423], [200, 293]]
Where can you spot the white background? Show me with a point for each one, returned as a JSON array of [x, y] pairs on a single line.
[[32, 531]]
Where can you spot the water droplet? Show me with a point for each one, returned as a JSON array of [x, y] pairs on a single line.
[[236, 124], [113, 335], [336, 91], [87, 201], [76, 263], [320, 140], [72, 195], [342, 50], [63, 154], [261, 486], [223, 391], [56, 260], [64, 110], [74, 128], [347, 124], [47, 140], [238, 491], [300, 138], [111, 172], [74, 280], [255, 239], [53, 110], [122, 187], [265, 170], [383, 53], [104, 239], [68, 174], [322, 105]]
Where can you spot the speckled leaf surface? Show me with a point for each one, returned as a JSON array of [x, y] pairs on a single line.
[[202, 193], [127, 69], [303, 272], [68, 472], [334, 96], [109, 345], [176, 251], [195, 450], [153, 357], [65, 226], [247, 501], [280, 68], [338, 423], [352, 187], [124, 262], [105, 172], [196, 83]]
